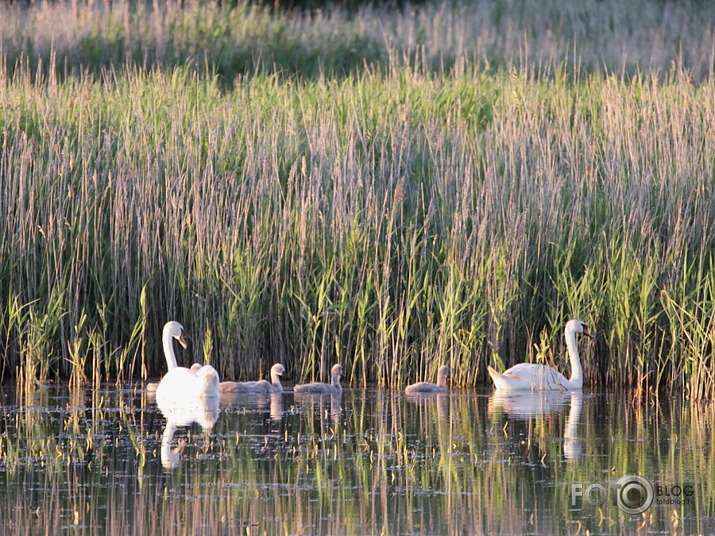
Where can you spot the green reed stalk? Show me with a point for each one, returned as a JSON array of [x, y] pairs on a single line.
[[394, 217]]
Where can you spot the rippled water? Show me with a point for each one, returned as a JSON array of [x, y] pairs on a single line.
[[370, 462]]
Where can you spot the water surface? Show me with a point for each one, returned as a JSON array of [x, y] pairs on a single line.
[[373, 461]]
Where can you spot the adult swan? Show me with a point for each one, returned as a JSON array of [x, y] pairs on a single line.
[[181, 383], [535, 377]]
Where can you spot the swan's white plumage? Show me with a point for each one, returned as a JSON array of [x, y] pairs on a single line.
[[317, 388], [536, 377], [181, 382], [426, 387], [256, 387]]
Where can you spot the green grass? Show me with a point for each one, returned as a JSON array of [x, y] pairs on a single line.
[[395, 215]]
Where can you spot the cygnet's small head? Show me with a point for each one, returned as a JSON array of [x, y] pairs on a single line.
[[278, 369], [176, 330], [337, 370], [578, 326], [444, 371]]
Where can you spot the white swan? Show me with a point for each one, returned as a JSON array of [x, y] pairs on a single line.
[[426, 387], [172, 330], [257, 387], [181, 382], [332, 388], [535, 377], [151, 386]]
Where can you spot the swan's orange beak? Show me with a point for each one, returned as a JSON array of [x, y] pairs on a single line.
[[182, 341], [585, 332]]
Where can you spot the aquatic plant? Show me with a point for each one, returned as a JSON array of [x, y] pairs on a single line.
[[242, 38], [393, 218]]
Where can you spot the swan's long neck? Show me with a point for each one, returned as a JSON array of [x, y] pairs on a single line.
[[336, 380], [572, 347], [276, 381], [168, 341], [442, 379]]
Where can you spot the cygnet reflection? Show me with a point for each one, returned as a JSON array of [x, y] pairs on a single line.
[[273, 401], [426, 400], [322, 402]]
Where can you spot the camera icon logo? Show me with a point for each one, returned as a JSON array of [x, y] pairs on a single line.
[[634, 494]]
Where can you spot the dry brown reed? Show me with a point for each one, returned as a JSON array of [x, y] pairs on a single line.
[[392, 220]]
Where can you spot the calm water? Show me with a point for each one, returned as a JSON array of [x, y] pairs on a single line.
[[370, 462]]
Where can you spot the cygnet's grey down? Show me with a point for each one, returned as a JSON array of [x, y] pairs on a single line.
[[427, 387], [256, 387], [317, 388]]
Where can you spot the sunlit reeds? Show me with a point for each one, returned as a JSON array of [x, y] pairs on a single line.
[[57, 39], [391, 219]]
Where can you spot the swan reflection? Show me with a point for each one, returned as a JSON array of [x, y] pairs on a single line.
[[201, 410], [573, 445], [529, 405]]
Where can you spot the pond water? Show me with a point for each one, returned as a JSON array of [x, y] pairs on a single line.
[[109, 461]]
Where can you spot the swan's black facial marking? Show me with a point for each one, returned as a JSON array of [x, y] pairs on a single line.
[[182, 339], [585, 330]]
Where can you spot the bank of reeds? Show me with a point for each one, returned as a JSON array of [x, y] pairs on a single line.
[[391, 219], [237, 38]]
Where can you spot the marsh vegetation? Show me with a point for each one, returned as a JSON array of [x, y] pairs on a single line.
[[390, 189]]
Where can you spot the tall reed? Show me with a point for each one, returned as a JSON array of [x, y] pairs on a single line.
[[393, 219], [57, 39]]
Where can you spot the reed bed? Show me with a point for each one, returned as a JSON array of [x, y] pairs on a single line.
[[75, 37], [445, 200]]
